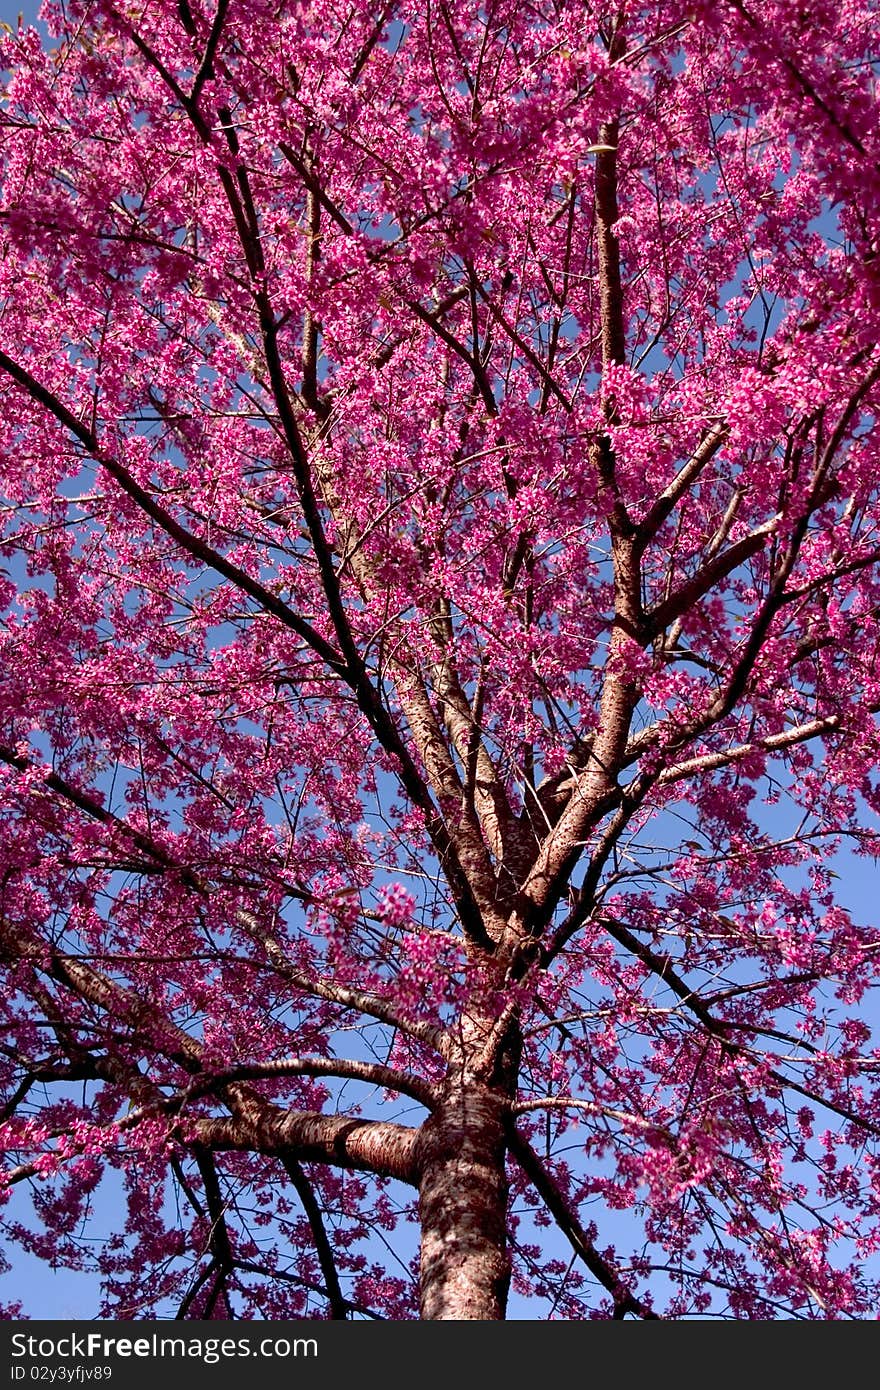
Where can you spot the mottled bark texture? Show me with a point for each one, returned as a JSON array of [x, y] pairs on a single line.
[[465, 1268]]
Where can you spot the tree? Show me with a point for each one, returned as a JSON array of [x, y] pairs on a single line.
[[441, 654]]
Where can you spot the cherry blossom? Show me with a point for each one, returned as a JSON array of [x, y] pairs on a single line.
[[440, 638]]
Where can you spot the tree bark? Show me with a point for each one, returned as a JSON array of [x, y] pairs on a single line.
[[465, 1267]]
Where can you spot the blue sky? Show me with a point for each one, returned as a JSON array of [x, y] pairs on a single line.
[[27, 9]]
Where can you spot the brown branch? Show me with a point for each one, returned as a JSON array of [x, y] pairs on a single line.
[[610, 288], [338, 1304], [350, 664], [478, 371], [483, 787], [663, 968], [549, 384], [94, 988], [688, 474], [190, 544], [206, 67], [373, 1146], [773, 743], [250, 1267], [372, 1073], [717, 568], [219, 1240], [347, 996], [349, 667], [548, 1189]]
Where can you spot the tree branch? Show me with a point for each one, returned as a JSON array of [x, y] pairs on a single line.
[[601, 1269]]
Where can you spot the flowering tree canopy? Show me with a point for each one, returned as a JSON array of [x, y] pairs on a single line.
[[441, 654]]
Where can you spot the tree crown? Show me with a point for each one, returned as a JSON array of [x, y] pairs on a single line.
[[440, 652]]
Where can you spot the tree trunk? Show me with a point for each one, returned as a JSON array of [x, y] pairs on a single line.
[[465, 1268]]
